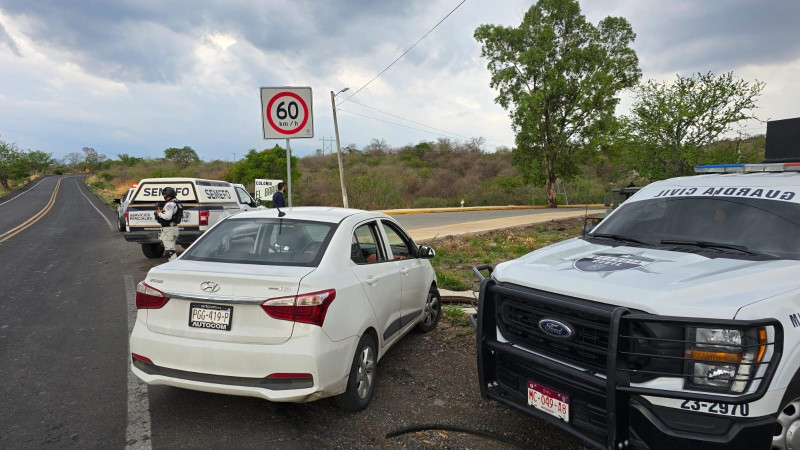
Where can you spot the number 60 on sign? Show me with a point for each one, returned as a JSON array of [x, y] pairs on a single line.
[[286, 112]]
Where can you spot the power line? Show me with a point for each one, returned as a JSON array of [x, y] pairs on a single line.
[[408, 120], [406, 126], [404, 53]]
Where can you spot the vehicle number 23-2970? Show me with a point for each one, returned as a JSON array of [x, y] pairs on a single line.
[[742, 410]]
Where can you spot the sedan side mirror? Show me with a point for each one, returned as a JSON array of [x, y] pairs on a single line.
[[426, 252]]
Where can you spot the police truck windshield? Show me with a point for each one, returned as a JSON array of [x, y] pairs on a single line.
[[718, 226]]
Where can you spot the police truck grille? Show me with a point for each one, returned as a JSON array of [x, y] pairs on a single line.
[[519, 319]]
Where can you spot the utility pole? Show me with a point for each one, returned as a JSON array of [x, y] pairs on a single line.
[[338, 147]]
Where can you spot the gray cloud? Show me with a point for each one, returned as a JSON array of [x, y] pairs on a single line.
[[691, 36], [6, 39], [139, 41]]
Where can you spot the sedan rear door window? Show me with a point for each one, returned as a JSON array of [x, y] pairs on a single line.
[[365, 245]]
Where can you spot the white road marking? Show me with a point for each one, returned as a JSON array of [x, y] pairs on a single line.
[[20, 195], [95, 207], [137, 434]]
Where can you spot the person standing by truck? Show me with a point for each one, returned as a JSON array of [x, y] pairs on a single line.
[[169, 215], [278, 201]]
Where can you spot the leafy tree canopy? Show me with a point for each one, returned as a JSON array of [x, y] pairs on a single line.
[[92, 159], [671, 124], [183, 157], [558, 75], [128, 160], [16, 163], [267, 164]]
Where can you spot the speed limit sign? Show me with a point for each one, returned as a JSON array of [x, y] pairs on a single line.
[[286, 112]]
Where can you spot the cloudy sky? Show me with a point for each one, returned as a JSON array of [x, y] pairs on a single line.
[[138, 76]]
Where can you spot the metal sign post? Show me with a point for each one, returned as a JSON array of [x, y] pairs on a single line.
[[287, 113], [289, 173]]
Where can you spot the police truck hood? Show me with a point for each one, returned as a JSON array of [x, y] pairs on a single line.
[[652, 280]]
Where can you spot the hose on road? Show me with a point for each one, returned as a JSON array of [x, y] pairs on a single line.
[[458, 429]]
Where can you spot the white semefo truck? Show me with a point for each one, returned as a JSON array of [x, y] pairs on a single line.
[[674, 323], [204, 202]]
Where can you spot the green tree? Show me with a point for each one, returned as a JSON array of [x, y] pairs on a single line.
[[559, 75], [37, 160], [672, 123], [12, 163], [267, 164], [128, 160], [183, 157], [92, 159]]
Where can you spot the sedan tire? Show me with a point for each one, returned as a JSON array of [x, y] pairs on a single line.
[[432, 312], [361, 383]]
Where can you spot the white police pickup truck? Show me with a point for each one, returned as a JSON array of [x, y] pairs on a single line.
[[674, 323], [204, 202]]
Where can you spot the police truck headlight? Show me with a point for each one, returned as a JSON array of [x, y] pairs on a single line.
[[723, 359]]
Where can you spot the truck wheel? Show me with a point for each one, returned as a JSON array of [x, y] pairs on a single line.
[[361, 383], [153, 250], [433, 309], [787, 428], [122, 223]]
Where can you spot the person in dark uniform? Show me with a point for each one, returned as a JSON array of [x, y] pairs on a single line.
[[168, 216], [278, 201]]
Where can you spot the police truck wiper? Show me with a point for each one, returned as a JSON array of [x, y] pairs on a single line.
[[713, 245], [620, 238]]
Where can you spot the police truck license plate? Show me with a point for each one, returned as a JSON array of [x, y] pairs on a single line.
[[213, 317], [547, 400]]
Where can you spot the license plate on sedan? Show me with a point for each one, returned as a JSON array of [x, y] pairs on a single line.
[[547, 400], [214, 317]]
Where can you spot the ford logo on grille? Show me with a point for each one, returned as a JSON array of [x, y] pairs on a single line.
[[555, 328]]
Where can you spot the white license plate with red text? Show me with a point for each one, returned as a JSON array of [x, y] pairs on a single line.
[[547, 400]]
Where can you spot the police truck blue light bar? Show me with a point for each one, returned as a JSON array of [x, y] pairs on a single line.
[[719, 168]]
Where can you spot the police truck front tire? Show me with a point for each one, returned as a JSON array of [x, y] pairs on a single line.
[[153, 250]]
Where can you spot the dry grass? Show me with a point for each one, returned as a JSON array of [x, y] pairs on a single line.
[[457, 255]]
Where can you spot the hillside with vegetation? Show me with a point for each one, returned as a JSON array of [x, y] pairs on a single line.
[[424, 175]]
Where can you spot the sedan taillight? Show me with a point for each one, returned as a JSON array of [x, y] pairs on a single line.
[[203, 213], [148, 297], [304, 308]]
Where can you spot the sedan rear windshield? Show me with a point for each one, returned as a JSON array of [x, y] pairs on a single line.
[[753, 226], [264, 241]]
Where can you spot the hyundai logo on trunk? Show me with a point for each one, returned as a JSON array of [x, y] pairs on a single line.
[[555, 328], [209, 286]]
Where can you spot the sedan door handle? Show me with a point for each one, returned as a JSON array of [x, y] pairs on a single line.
[[404, 271], [371, 280]]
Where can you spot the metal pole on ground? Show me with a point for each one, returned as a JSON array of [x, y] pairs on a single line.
[[288, 174]]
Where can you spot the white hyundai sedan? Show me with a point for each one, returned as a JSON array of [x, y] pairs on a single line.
[[291, 308]]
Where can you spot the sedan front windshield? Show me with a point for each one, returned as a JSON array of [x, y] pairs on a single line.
[[264, 241], [709, 224]]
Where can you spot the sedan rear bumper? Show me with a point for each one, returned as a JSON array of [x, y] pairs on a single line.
[[244, 369]]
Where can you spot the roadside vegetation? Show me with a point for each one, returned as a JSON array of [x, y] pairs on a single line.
[[457, 255]]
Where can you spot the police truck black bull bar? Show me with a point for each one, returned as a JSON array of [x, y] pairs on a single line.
[[503, 367]]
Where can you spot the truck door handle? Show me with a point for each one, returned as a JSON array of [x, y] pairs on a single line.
[[371, 280], [404, 271]]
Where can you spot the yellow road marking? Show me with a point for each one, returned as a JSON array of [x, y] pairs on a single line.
[[35, 218]]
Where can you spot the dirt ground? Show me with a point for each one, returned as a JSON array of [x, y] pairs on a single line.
[[432, 379]]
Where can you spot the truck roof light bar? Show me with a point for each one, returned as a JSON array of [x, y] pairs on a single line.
[[748, 168], [719, 168]]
